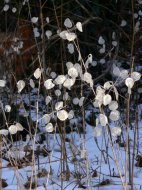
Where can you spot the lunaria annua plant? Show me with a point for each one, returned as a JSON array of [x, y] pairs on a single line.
[[102, 97]]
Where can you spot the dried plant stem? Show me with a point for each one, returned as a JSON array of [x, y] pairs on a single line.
[[127, 153], [115, 157], [0, 162], [43, 48], [36, 128], [134, 150]]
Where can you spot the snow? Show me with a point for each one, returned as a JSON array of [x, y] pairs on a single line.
[[12, 175], [79, 144]]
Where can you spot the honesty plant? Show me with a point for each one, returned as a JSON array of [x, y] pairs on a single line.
[[77, 71]]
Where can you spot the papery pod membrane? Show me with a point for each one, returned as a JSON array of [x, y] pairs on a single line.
[[62, 115], [36, 32], [75, 101], [49, 84], [123, 23], [102, 50], [116, 92], [69, 83], [66, 96], [124, 74], [87, 77], [103, 119], [77, 66], [58, 105], [48, 99], [67, 23], [71, 114], [60, 79], [88, 61], [95, 104], [63, 34], [107, 99], [48, 33], [113, 35], [94, 63], [20, 85], [70, 47], [12, 129], [4, 132], [116, 71], [46, 118], [79, 56], [114, 43], [140, 90], [102, 61], [99, 95], [107, 85], [81, 101], [47, 19], [6, 7], [72, 72], [115, 131], [70, 36], [57, 92], [100, 90], [7, 108], [135, 76], [37, 73], [2, 83], [129, 82], [49, 128], [101, 41], [34, 19], [79, 26], [114, 115], [53, 75], [32, 84], [19, 127], [97, 131], [69, 65], [97, 121], [113, 105]]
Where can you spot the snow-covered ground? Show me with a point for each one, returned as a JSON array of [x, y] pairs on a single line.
[[96, 160]]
